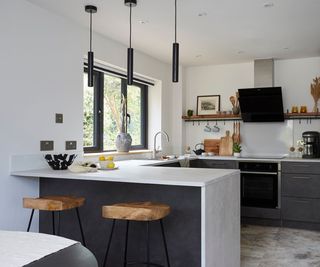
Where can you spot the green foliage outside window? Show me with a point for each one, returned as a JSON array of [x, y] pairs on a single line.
[[112, 112]]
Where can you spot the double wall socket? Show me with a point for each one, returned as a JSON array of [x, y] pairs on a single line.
[[46, 145]]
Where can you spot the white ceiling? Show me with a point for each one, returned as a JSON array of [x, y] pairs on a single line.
[[233, 30]]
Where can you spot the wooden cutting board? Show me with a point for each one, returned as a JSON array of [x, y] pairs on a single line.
[[226, 145], [212, 145]]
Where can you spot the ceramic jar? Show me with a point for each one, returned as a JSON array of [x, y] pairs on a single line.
[[123, 142]]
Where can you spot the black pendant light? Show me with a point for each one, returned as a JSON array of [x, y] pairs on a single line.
[[90, 9], [130, 3], [175, 49]]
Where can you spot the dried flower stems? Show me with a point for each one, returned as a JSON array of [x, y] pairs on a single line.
[[315, 92]]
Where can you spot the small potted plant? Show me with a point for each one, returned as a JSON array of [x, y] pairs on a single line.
[[190, 113], [237, 150]]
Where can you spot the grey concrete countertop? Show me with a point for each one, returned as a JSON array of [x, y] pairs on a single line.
[[140, 171]]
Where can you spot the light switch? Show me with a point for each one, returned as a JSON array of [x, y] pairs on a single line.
[[71, 145], [59, 118]]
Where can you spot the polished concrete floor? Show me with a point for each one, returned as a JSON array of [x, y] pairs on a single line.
[[279, 247]]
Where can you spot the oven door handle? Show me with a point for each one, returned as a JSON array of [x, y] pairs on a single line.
[[265, 173]]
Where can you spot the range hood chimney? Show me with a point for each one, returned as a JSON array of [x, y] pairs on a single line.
[[263, 73]]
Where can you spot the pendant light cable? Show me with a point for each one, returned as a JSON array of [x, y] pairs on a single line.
[[130, 25], [90, 31], [175, 21]]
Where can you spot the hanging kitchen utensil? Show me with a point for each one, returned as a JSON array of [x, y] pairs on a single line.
[[233, 101], [236, 138], [234, 131], [207, 129]]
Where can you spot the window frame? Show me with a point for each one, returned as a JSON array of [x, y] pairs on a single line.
[[98, 112]]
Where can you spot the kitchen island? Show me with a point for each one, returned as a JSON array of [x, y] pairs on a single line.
[[203, 229]]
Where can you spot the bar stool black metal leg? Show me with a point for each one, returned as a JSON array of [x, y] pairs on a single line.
[[148, 245], [81, 229], [59, 214], [30, 221], [165, 243], [109, 243], [126, 246], [53, 224]]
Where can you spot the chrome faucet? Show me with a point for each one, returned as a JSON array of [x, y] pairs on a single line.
[[154, 154]]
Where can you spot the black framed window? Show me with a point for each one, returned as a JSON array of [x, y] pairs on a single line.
[[102, 116]]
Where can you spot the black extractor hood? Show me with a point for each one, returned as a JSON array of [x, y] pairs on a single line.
[[262, 104]]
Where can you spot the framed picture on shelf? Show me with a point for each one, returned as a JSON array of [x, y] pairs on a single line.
[[208, 104]]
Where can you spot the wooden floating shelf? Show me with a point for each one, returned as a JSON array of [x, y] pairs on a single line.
[[231, 117], [217, 117], [309, 115]]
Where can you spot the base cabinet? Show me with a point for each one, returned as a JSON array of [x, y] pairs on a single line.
[[300, 195]]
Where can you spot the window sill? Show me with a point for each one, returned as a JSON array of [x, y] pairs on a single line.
[[133, 152]]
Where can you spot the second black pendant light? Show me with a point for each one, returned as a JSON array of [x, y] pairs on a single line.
[[175, 49], [130, 3], [90, 9]]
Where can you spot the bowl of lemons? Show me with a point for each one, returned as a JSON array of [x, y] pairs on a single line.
[[107, 163]]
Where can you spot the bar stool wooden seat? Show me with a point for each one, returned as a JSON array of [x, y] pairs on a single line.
[[139, 212], [55, 204]]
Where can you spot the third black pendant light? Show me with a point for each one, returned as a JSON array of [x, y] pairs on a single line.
[[175, 49], [90, 9], [130, 3]]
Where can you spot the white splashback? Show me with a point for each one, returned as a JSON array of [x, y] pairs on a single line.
[[267, 138], [256, 137]]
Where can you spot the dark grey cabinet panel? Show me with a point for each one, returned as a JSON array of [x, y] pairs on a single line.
[[300, 209], [216, 164], [173, 164], [301, 185], [253, 212], [301, 167]]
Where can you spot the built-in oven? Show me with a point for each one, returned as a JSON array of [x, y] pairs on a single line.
[[260, 184]]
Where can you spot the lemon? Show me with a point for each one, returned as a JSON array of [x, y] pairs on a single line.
[[102, 158], [110, 158], [111, 165]]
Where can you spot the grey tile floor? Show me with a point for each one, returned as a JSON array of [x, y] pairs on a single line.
[[279, 247]]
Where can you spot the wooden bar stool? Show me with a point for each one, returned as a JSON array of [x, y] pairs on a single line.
[[55, 204], [139, 211]]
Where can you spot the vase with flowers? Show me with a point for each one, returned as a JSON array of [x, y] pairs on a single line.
[[124, 140]]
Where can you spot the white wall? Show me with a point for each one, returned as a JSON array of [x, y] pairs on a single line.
[[294, 76], [221, 80], [41, 73]]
